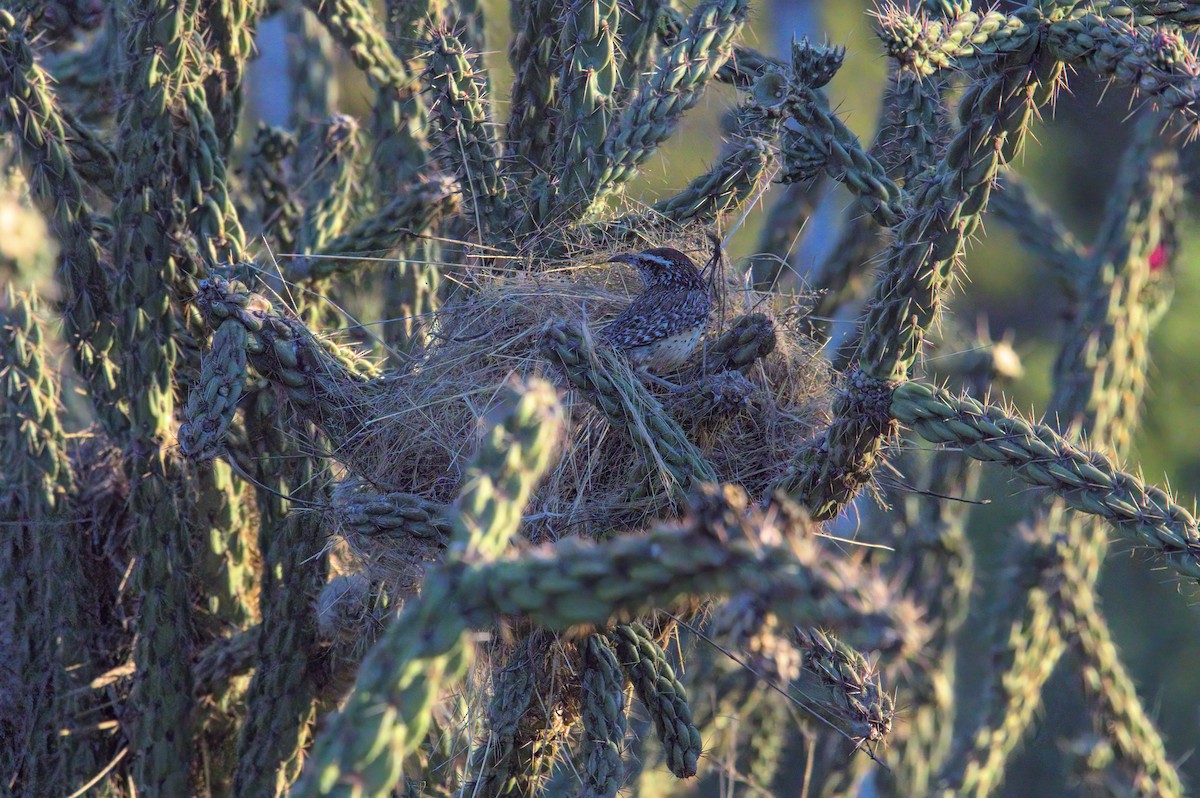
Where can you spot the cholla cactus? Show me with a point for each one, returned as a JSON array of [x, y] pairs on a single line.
[[284, 566]]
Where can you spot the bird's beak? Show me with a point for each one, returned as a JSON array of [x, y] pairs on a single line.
[[626, 259]]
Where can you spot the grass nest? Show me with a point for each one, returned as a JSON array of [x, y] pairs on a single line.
[[423, 420]]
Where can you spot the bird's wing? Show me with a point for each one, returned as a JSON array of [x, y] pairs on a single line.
[[654, 316], [639, 324]]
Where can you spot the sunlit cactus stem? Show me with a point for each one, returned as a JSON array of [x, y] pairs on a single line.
[[213, 218], [43, 147], [917, 271], [331, 153], [565, 586], [533, 57], [587, 84], [428, 646], [675, 85], [935, 565], [1087, 481], [232, 23], [1113, 696], [155, 36], [466, 137]]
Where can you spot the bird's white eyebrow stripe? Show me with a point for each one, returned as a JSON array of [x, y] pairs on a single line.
[[661, 261]]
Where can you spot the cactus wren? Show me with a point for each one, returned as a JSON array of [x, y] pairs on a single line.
[[663, 324]]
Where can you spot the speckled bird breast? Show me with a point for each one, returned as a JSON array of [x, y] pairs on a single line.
[[661, 328], [666, 354]]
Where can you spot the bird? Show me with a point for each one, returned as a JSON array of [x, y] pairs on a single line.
[[664, 324]]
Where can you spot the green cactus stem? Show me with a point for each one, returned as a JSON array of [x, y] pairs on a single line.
[[277, 212], [1099, 376], [55, 185], [917, 270], [232, 24], [675, 85], [628, 405], [534, 59], [664, 696], [155, 39], [213, 219], [1087, 481], [839, 686], [428, 646], [37, 540], [317, 375], [212, 404], [1113, 696], [843, 155], [569, 585], [587, 84], [280, 698], [332, 148], [465, 136], [405, 219], [502, 766], [365, 511], [525, 726], [604, 719]]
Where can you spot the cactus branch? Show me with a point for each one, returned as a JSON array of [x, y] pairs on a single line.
[[1087, 481]]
